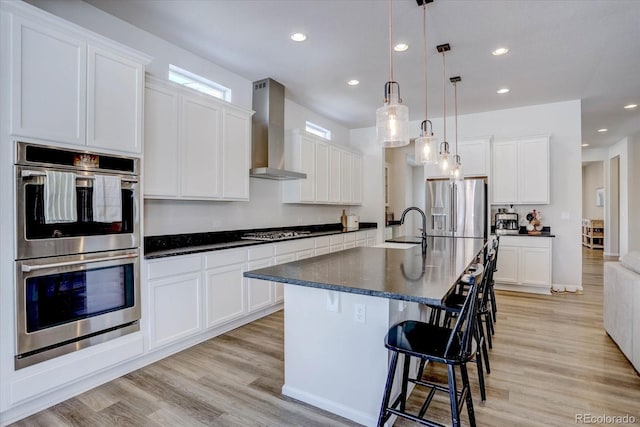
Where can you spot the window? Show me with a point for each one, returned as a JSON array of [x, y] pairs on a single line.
[[199, 83], [318, 130]]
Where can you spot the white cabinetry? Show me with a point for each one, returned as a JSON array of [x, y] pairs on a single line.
[[196, 147], [224, 284], [72, 86], [524, 264], [260, 292], [174, 287], [334, 175], [520, 171], [474, 155]]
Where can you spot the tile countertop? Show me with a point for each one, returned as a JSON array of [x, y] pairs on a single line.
[[404, 274], [183, 244]]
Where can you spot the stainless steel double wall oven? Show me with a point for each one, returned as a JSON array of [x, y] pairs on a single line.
[[77, 278]]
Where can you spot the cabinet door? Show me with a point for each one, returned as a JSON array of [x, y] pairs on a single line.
[[200, 149], [236, 155], [308, 166], [260, 292], [345, 177], [504, 177], [174, 308], [48, 83], [322, 172], [225, 294], [475, 157], [535, 266], [533, 171], [356, 179], [114, 101], [334, 174], [161, 155], [508, 262]]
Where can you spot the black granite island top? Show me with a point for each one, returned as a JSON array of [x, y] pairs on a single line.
[[403, 274]]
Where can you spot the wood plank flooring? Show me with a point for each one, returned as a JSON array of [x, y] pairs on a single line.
[[551, 360]]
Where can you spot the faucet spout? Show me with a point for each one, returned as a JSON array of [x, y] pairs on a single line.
[[424, 225]]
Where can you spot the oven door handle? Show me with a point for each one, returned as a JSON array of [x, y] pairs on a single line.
[[31, 173], [28, 268]]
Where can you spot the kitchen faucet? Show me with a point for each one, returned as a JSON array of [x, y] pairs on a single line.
[[424, 225]]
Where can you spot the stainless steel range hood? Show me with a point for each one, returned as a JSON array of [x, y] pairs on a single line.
[[267, 145]]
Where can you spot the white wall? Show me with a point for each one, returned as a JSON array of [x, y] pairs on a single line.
[[618, 233], [634, 193], [171, 217], [592, 179]]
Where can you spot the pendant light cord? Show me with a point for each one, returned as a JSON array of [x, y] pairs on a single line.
[[426, 91], [444, 99], [390, 50], [455, 100]]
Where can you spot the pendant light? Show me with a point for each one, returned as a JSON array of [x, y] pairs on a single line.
[[444, 154], [456, 169], [426, 145], [392, 119]]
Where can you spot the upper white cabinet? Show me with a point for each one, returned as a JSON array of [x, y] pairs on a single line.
[[474, 155], [114, 101], [72, 86], [334, 174], [520, 171], [196, 147]]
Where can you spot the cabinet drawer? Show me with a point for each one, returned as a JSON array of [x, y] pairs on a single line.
[[350, 237], [294, 246], [323, 241], [261, 251], [222, 258], [173, 266], [361, 235], [336, 239], [526, 242]]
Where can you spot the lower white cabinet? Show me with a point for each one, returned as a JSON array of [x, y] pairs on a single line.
[[224, 285], [524, 264], [174, 308], [260, 292]]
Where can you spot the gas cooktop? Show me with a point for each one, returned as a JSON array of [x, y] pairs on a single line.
[[275, 235]]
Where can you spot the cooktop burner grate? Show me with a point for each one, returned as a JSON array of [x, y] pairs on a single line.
[[275, 235]]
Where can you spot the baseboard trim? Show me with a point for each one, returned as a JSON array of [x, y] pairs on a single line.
[[531, 289], [559, 287]]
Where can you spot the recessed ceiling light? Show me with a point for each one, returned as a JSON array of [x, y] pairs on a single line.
[[500, 51], [585, 145], [401, 47], [353, 82], [603, 130], [503, 90], [630, 106], [298, 37]]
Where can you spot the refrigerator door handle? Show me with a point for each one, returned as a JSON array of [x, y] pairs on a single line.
[[454, 210]]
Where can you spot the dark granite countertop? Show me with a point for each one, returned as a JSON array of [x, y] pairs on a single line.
[[545, 232], [405, 239], [403, 274], [183, 244]]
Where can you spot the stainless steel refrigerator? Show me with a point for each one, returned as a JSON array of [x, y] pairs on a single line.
[[456, 208]]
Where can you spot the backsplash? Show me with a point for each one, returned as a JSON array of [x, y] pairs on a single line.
[[522, 211]]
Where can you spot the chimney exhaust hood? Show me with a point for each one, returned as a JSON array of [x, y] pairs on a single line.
[[267, 144]]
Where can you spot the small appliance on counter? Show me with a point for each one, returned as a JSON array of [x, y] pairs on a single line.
[[506, 223], [353, 222], [535, 226]]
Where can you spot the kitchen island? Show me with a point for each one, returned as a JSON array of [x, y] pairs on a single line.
[[338, 308]]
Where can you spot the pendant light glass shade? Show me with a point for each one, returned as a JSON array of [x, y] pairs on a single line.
[[392, 119], [444, 156], [392, 124], [456, 168], [426, 146]]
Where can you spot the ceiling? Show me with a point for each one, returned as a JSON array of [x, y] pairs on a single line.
[[559, 50]]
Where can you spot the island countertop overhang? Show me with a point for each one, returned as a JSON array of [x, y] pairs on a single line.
[[402, 274]]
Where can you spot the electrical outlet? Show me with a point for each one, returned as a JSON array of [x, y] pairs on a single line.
[[359, 313]]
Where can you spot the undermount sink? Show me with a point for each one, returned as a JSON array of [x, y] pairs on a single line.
[[394, 245]]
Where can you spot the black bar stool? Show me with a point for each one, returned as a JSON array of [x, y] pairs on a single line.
[[431, 342]]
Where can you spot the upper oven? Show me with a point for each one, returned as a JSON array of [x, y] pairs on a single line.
[[71, 201]]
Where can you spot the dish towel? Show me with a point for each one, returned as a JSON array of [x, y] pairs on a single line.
[[60, 197], [107, 199]]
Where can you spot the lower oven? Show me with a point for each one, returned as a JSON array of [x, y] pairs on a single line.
[[70, 302]]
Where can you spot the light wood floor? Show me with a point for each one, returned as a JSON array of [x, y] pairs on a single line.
[[551, 360]]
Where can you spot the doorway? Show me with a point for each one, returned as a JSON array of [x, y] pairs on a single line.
[[593, 207]]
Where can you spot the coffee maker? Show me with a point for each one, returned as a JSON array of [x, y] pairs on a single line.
[[507, 223]]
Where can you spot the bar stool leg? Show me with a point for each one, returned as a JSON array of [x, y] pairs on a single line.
[[405, 381], [382, 418], [469, 399], [453, 396]]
